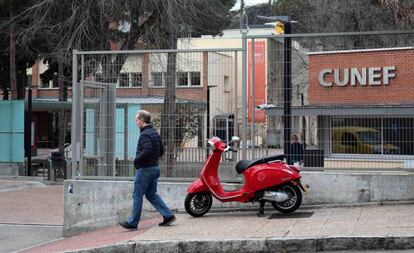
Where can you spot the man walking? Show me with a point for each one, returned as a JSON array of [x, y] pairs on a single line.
[[149, 150]]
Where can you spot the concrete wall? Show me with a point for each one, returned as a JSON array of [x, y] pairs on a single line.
[[95, 204], [11, 169]]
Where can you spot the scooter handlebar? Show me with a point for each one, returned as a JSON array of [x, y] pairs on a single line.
[[231, 149]]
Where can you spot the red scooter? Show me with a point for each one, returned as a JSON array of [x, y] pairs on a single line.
[[268, 179]]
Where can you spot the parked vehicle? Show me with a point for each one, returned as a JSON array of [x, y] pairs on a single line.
[[267, 179], [360, 140]]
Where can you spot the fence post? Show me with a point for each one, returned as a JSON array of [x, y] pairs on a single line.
[[75, 135], [236, 108], [252, 98], [244, 93]]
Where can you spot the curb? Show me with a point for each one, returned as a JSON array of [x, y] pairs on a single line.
[[306, 244], [307, 207]]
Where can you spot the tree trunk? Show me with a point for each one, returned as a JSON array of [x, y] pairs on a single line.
[[168, 124], [13, 76]]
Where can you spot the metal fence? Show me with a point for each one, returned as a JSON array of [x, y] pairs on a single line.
[[348, 97]]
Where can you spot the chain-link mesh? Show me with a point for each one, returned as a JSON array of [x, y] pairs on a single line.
[[191, 95], [351, 100]]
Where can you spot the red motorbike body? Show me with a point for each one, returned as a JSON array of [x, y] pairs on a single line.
[[259, 174]]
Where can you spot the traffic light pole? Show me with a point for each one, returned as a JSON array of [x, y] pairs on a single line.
[[287, 92]]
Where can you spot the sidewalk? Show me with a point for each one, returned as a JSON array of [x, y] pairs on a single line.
[[307, 230], [30, 213], [353, 228], [98, 238], [39, 220]]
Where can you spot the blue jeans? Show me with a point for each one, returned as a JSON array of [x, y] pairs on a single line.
[[145, 183]]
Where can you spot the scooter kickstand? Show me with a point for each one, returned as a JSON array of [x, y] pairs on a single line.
[[261, 209]]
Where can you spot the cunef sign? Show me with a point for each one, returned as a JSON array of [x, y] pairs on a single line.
[[356, 76]]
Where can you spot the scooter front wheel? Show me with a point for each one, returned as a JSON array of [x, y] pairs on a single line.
[[197, 204], [291, 204]]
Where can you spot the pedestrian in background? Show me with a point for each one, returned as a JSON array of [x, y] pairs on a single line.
[[296, 151], [149, 150]]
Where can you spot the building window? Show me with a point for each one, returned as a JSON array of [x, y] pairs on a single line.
[[195, 79], [182, 79], [156, 79], [227, 84], [44, 83], [55, 83], [385, 136], [124, 80], [29, 81], [136, 79], [224, 127]]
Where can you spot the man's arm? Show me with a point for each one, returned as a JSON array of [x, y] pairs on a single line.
[[145, 154]]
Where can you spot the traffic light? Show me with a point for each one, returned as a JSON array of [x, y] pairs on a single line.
[[279, 27]]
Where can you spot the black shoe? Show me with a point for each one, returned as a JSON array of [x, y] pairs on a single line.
[[126, 225], [167, 221]]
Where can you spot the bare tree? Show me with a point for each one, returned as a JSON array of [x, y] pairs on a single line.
[[319, 16], [17, 57], [94, 25]]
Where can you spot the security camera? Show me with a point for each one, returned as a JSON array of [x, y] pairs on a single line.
[[265, 106]]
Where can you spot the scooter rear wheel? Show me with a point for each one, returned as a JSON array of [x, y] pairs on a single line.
[[291, 204], [198, 204]]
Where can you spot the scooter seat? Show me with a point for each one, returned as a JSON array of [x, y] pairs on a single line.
[[243, 165]]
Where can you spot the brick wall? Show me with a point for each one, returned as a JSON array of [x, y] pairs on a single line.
[[400, 89]]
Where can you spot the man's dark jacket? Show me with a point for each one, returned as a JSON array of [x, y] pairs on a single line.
[[149, 148]]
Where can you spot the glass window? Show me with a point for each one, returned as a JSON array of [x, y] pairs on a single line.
[[182, 79], [372, 136], [136, 79], [157, 80], [44, 83], [227, 83], [55, 82], [124, 80], [195, 78], [398, 136], [29, 80]]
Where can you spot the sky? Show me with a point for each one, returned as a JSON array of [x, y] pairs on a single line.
[[249, 3]]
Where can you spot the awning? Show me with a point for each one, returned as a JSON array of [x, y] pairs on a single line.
[[343, 110], [48, 105]]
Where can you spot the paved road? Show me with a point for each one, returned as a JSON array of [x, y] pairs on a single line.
[[15, 237], [31, 213]]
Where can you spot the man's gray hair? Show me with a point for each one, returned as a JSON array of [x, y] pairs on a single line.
[[144, 116]]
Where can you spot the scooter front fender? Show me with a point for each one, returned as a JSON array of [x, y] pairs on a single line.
[[197, 186]]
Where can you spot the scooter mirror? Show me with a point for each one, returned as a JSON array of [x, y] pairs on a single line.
[[235, 139]]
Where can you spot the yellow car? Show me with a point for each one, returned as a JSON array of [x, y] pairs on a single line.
[[360, 140]]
